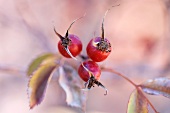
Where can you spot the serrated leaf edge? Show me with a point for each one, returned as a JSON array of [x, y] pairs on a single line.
[[28, 90]]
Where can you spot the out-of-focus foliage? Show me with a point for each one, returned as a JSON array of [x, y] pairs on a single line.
[[42, 68], [71, 83], [137, 103], [157, 86], [38, 83], [40, 71], [43, 59]]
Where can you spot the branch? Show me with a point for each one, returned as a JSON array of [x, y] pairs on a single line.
[[119, 74], [12, 70], [131, 82]]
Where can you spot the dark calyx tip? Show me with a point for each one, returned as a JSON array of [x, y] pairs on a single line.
[[66, 42], [92, 81], [104, 46]]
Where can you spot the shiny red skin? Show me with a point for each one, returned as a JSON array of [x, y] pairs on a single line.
[[75, 46], [91, 66], [94, 53]]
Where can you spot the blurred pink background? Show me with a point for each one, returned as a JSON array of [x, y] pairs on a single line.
[[138, 31]]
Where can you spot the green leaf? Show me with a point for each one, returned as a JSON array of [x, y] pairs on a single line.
[[38, 83], [45, 58], [137, 103], [157, 86]]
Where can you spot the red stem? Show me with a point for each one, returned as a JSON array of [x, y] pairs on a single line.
[[135, 85], [11, 70], [121, 75]]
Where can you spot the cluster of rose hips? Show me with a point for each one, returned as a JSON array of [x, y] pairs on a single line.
[[98, 49]]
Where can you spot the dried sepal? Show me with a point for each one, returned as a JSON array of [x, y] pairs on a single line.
[[92, 82], [104, 19], [66, 35]]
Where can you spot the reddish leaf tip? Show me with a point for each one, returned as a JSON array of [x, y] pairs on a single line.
[[32, 106]]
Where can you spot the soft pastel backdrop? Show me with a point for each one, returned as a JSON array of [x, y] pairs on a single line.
[[138, 31]]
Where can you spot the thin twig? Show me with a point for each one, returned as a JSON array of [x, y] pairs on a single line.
[[121, 75], [12, 70], [135, 85]]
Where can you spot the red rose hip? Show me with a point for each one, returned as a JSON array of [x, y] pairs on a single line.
[[92, 68], [70, 45], [90, 72], [98, 49], [73, 43]]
